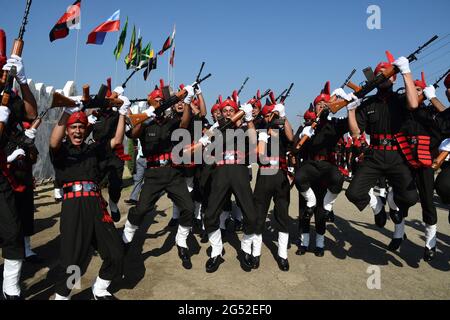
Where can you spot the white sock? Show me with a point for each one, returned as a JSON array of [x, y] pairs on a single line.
[[113, 206], [329, 200], [237, 212], [246, 243], [28, 251], [375, 203], [399, 230], [310, 198], [58, 297], [215, 238], [304, 238], [198, 210], [390, 200], [223, 217], [175, 212], [181, 237], [382, 192], [257, 245], [100, 287], [283, 241], [58, 193], [11, 277], [128, 232], [430, 236], [320, 240]]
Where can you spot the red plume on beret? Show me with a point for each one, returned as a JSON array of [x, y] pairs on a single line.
[[2, 48], [269, 106], [235, 97], [324, 95], [157, 92], [77, 117], [385, 65], [256, 100], [108, 81], [421, 83], [447, 81]]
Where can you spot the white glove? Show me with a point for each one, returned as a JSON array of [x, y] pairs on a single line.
[[355, 103], [70, 110], [150, 112], [119, 90], [13, 156], [198, 90], [445, 145], [31, 133], [430, 92], [4, 114], [307, 131], [281, 110], [205, 140], [92, 119], [263, 136], [123, 110], [402, 64], [247, 108], [340, 93], [190, 94], [17, 62]]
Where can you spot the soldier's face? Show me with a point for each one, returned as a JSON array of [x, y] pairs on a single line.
[[319, 106], [216, 114], [228, 112], [388, 83], [419, 90], [179, 107], [255, 111], [76, 133], [267, 117]]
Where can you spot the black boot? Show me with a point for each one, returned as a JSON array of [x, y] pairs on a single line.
[[237, 225], [309, 212], [319, 252], [115, 215], [329, 216], [380, 218], [246, 261], [185, 257], [256, 261], [213, 264], [283, 264], [301, 250], [111, 297], [396, 216], [395, 244], [429, 254]]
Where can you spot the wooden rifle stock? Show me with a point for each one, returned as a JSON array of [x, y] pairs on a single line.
[[353, 86], [437, 163], [17, 50]]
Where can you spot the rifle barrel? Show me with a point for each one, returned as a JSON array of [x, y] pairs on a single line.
[[200, 72], [24, 20], [243, 85]]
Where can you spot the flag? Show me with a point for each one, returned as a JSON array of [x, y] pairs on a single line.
[[137, 57], [119, 47], [97, 36], [172, 56], [144, 56], [151, 64], [69, 20], [168, 43], [131, 53]]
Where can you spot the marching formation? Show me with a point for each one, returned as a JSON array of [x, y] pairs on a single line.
[[394, 141]]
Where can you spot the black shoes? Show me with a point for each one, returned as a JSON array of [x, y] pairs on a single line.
[[111, 297], [131, 202], [173, 222], [283, 264], [329, 216], [396, 243], [237, 225], [396, 216], [185, 257], [213, 264], [309, 212], [8, 297], [319, 252], [301, 251], [429, 254], [380, 218], [247, 261], [115, 215], [256, 261]]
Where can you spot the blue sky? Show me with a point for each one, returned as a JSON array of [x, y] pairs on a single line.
[[274, 43]]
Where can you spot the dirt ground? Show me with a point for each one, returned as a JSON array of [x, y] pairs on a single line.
[[353, 244]]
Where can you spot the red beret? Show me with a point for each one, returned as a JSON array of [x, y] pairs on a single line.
[[385, 65], [157, 93], [77, 117], [421, 83], [309, 115], [324, 95], [229, 103]]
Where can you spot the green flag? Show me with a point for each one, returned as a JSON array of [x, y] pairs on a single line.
[[137, 56], [132, 52], [145, 55], [119, 47]]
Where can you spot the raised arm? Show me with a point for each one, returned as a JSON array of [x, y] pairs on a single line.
[[412, 99], [120, 130]]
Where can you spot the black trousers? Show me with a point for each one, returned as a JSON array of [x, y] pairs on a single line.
[[389, 164], [443, 183], [11, 231], [425, 186], [232, 178], [166, 179], [312, 171], [205, 178], [267, 187], [112, 169], [81, 228], [25, 208]]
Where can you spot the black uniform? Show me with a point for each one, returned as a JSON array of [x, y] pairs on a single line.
[[85, 221], [160, 174], [382, 119], [443, 179], [318, 170], [112, 166]]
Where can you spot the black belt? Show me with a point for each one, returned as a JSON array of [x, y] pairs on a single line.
[[81, 187]]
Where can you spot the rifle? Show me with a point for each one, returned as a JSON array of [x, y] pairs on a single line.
[[347, 81], [18, 42], [243, 85], [287, 94], [337, 104], [200, 72], [11, 74], [437, 163], [161, 106], [422, 97], [221, 125]]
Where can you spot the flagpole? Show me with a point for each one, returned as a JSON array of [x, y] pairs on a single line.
[[76, 58]]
